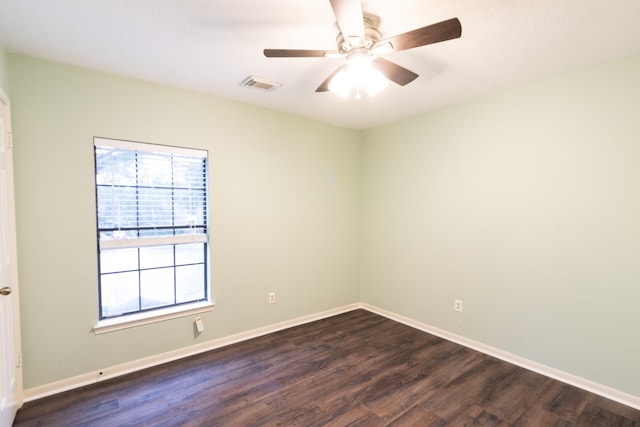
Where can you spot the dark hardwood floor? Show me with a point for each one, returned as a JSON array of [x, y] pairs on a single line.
[[354, 369]]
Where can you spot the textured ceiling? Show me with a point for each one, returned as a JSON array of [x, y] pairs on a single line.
[[211, 46]]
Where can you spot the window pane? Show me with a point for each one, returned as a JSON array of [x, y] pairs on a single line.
[[156, 256], [117, 207], [189, 206], [114, 260], [154, 169], [156, 288], [119, 293], [189, 283], [114, 166], [118, 235], [193, 230], [190, 253], [189, 172], [155, 207]]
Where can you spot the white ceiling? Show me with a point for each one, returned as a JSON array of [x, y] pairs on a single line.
[[210, 46]]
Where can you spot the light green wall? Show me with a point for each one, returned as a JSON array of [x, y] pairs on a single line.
[[526, 206], [284, 211]]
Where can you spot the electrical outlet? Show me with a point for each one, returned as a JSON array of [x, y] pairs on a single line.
[[272, 297], [457, 305]]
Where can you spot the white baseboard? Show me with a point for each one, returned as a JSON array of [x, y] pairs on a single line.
[[148, 362], [125, 368], [590, 386]]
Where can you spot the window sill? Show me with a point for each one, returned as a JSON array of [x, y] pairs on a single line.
[[133, 320]]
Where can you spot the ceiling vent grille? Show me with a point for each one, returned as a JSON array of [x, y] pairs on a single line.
[[260, 83]]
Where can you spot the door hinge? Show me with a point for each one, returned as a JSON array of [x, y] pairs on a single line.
[[9, 140], [19, 360]]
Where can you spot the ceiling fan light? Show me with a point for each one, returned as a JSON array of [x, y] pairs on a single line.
[[358, 75], [359, 65], [341, 84], [375, 82], [364, 76]]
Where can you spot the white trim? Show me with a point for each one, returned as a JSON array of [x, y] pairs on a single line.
[[145, 318], [556, 374], [142, 146], [153, 241], [148, 362], [125, 368], [15, 282]]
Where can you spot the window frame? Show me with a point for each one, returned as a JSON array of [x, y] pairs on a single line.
[[148, 315]]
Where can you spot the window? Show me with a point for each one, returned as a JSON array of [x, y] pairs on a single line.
[[152, 227]]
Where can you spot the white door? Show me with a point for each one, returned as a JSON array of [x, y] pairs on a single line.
[[10, 359]]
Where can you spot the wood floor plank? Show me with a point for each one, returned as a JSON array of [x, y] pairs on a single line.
[[594, 415], [354, 369], [478, 416], [418, 416]]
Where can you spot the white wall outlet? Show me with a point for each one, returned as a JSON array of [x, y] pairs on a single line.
[[199, 324], [457, 305], [272, 297]]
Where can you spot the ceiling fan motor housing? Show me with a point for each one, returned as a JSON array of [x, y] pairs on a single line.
[[371, 36]]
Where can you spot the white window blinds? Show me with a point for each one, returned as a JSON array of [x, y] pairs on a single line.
[[149, 195]]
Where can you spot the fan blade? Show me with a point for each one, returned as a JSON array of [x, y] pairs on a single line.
[[324, 87], [350, 19], [394, 72], [298, 53], [435, 33]]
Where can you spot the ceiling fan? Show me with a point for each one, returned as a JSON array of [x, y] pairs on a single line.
[[359, 40]]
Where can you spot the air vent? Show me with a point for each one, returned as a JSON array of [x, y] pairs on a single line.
[[260, 83]]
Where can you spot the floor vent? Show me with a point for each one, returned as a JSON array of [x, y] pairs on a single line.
[[260, 83]]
